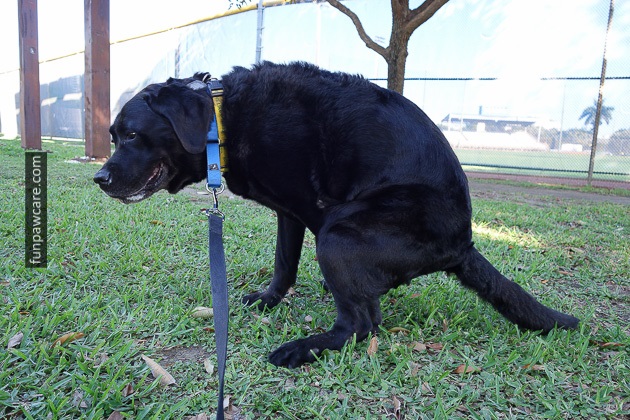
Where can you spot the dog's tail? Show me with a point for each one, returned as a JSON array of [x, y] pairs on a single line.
[[508, 297]]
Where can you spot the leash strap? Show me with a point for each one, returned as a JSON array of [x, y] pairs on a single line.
[[217, 161], [218, 279], [218, 276], [214, 159]]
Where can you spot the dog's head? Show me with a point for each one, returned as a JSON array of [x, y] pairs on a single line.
[[160, 138]]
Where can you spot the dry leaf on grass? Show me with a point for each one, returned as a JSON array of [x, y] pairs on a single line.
[[373, 347], [419, 346], [158, 371], [115, 416], [435, 346], [461, 369], [426, 388], [15, 340], [67, 338], [128, 390], [201, 416], [209, 366], [202, 312], [396, 407], [398, 329], [606, 344], [534, 367]]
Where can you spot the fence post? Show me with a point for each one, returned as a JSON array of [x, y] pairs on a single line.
[[97, 64], [598, 112], [30, 107]]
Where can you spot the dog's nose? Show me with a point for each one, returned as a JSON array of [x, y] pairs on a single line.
[[103, 177]]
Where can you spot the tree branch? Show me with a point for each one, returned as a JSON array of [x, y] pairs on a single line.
[[422, 13], [357, 23]]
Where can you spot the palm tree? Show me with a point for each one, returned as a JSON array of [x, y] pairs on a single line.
[[589, 114]]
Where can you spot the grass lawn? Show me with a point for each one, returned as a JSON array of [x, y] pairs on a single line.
[[128, 278]]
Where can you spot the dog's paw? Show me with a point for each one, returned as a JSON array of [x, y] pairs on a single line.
[[264, 299], [294, 354]]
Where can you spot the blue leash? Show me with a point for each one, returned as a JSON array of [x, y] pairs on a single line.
[[218, 276]]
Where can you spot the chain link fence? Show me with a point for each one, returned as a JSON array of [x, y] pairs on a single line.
[[512, 84]]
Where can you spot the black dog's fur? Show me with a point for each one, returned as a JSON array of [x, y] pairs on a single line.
[[361, 167]]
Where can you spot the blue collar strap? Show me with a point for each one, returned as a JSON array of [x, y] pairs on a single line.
[[215, 148]]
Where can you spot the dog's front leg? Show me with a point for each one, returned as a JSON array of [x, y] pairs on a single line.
[[288, 250]]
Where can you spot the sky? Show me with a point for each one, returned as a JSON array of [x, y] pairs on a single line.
[[516, 41]]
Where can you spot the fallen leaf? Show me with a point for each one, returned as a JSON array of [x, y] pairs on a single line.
[[207, 364], [202, 416], [415, 369], [461, 369], [396, 407], [202, 312], [373, 347], [426, 387], [115, 416], [419, 346], [15, 340], [611, 344], [534, 367], [67, 338], [127, 390], [435, 346], [606, 344], [78, 399], [158, 371], [398, 329], [444, 325], [308, 318], [156, 222]]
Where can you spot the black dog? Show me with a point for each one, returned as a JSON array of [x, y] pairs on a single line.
[[361, 167]]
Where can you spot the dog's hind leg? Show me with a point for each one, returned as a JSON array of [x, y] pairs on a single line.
[[358, 307], [508, 297], [362, 255], [288, 249]]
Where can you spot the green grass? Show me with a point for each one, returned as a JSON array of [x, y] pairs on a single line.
[[546, 160], [128, 277]]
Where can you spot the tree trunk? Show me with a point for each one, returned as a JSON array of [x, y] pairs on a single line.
[[404, 22], [396, 60]]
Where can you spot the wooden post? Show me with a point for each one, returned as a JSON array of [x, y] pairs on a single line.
[[97, 64], [30, 108]]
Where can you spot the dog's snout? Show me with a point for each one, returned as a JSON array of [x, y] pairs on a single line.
[[103, 177]]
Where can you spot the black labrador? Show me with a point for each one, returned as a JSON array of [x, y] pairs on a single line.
[[360, 166]]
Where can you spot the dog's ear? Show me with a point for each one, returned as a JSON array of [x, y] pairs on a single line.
[[188, 113]]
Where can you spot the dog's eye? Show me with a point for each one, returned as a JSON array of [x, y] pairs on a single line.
[[131, 136]]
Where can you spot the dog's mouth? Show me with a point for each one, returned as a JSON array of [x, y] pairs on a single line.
[[153, 184]]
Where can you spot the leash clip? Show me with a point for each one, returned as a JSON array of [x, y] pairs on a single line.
[[215, 201]]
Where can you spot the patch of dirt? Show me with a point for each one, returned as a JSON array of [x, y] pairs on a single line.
[[85, 159], [538, 196], [173, 355]]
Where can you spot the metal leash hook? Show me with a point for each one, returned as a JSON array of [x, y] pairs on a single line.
[[215, 201]]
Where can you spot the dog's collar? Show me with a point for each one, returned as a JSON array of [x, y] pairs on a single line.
[[215, 147]]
